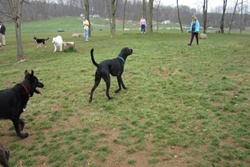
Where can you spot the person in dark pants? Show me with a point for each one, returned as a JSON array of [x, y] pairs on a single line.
[[143, 25], [194, 30], [2, 32]]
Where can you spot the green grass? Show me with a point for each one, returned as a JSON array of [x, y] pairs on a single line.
[[185, 106]]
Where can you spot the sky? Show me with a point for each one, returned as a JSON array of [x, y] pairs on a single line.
[[197, 4]]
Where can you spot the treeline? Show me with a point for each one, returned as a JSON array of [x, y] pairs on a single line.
[[34, 10]]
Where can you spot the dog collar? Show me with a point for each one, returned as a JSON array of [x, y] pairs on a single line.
[[26, 89], [121, 58]]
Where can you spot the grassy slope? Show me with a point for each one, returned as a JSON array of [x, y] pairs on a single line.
[[185, 106]]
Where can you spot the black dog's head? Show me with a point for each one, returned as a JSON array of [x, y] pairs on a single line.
[[125, 52], [32, 83], [34, 39]]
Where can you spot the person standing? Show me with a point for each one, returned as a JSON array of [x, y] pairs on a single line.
[[194, 30], [143, 25], [2, 32], [86, 28]]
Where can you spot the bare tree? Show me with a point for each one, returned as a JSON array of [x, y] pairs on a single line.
[[150, 20], [232, 18], [144, 9], [157, 13], [178, 13], [14, 11], [241, 16], [205, 7], [124, 14], [223, 16], [86, 4], [113, 11]]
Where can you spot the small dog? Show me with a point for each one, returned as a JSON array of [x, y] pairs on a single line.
[[58, 42], [115, 67], [68, 45], [40, 41], [203, 36], [15, 99], [77, 35], [4, 156]]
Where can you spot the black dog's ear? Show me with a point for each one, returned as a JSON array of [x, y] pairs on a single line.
[[32, 72], [26, 72]]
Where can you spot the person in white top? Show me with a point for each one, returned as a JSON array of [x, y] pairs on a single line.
[[86, 28], [143, 25]]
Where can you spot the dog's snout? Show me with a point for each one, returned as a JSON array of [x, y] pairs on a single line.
[[40, 85]]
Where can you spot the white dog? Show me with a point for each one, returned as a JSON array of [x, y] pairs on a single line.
[[58, 42]]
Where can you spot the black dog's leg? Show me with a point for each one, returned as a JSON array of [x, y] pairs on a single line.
[[120, 83], [97, 81], [107, 80], [16, 122], [4, 157], [21, 124], [124, 87]]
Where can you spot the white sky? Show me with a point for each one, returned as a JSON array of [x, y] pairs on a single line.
[[197, 4], [192, 3]]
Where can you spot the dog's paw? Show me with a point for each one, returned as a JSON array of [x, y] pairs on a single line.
[[118, 90], [23, 135]]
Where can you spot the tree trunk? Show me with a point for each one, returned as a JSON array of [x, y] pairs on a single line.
[[124, 14], [150, 19], [241, 16], [113, 21], [223, 16], [232, 19], [178, 12], [157, 17], [15, 13], [86, 4], [144, 10], [205, 7], [19, 42]]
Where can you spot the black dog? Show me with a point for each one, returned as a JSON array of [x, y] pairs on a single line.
[[15, 99], [40, 41], [114, 67], [4, 156]]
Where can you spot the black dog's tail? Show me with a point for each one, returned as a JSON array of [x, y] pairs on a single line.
[[47, 38], [92, 57]]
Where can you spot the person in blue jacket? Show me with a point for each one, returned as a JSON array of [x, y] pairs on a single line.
[[194, 30]]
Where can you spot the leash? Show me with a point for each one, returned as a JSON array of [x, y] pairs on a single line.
[[26, 89], [121, 59]]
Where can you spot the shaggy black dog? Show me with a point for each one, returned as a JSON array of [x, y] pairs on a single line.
[[40, 41], [115, 67], [15, 99]]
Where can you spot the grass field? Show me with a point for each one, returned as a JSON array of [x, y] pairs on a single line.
[[184, 107]]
